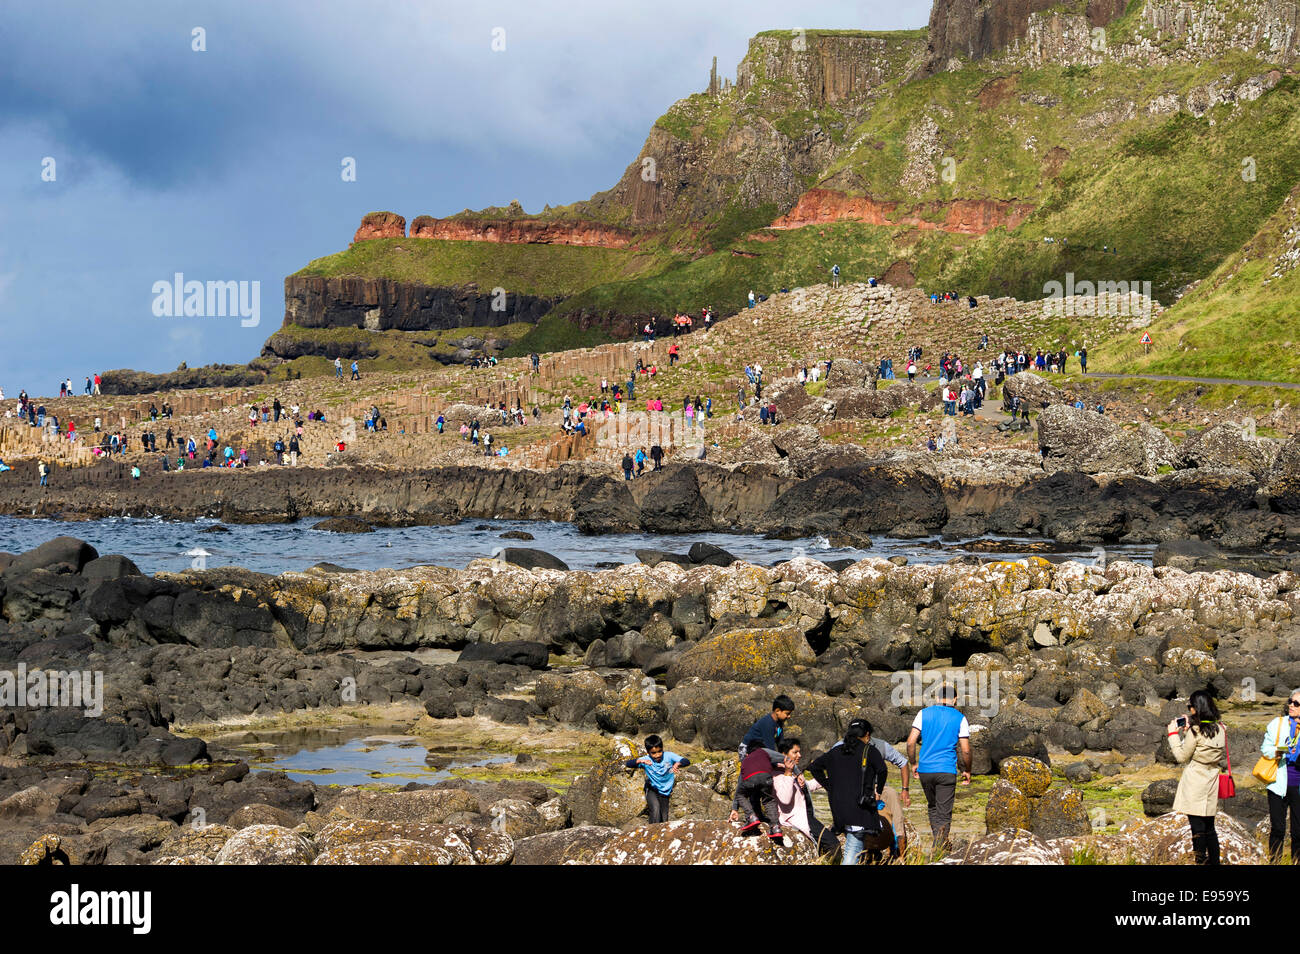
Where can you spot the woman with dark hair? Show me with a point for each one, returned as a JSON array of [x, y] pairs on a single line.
[[1280, 742], [853, 774], [1201, 741]]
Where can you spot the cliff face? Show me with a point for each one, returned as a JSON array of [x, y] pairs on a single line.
[[974, 29], [380, 304], [521, 231], [961, 216], [380, 225], [763, 140]]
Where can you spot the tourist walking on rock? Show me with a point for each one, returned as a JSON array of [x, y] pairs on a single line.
[[853, 773], [660, 776], [44, 471], [835, 276], [1200, 740], [657, 455], [895, 801], [1282, 743], [338, 368], [944, 735], [627, 466], [356, 374], [293, 450]]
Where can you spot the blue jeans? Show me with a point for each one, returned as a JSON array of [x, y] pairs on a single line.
[[852, 848]]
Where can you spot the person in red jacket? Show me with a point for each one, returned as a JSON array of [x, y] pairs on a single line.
[[754, 792]]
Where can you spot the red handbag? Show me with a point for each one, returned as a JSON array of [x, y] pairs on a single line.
[[1227, 787]]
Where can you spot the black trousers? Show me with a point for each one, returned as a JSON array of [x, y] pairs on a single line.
[[656, 805], [1277, 808], [1205, 840], [756, 794]]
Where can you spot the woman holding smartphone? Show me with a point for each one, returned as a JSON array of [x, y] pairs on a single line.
[[1280, 742], [1201, 741]]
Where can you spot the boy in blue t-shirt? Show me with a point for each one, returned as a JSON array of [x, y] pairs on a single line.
[[660, 776]]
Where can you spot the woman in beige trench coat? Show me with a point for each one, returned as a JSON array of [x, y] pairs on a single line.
[[1201, 742]]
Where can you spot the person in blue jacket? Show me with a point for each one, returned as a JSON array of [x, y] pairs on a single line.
[[766, 732], [660, 776]]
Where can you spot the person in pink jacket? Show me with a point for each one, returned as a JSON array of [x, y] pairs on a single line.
[[793, 806]]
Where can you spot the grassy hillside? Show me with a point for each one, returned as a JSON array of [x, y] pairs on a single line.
[[547, 270], [1241, 322]]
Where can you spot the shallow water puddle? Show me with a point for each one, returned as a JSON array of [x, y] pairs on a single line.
[[356, 755]]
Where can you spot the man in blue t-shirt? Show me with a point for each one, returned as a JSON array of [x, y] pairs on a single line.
[[945, 736], [660, 776]]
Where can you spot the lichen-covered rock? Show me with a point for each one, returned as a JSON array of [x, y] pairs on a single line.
[[266, 845], [570, 846], [188, 842], [1031, 776], [430, 807], [1007, 808], [745, 655], [394, 851], [46, 850], [1032, 389], [261, 814], [1074, 439], [1167, 840], [697, 842], [1010, 847], [1059, 814], [1226, 446], [450, 843], [570, 697]]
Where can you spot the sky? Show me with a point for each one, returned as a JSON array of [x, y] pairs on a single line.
[[128, 154]]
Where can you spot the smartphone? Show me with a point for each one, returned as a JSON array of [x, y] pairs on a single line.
[[1181, 722]]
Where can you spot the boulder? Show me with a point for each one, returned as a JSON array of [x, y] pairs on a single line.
[[569, 846], [532, 559], [1226, 446], [570, 697], [60, 555], [429, 806], [1059, 814], [1167, 840], [702, 842], [266, 845], [344, 525], [1007, 808], [1282, 484], [1087, 442], [745, 655], [1158, 797], [1010, 847], [674, 503], [1030, 776], [394, 851], [1033, 390], [448, 841]]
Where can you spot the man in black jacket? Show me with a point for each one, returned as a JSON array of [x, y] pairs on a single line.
[[853, 774]]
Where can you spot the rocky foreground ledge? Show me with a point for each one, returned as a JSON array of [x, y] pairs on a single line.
[[1054, 659], [1091, 482]]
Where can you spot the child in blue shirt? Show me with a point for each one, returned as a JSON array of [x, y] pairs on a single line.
[[660, 776]]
